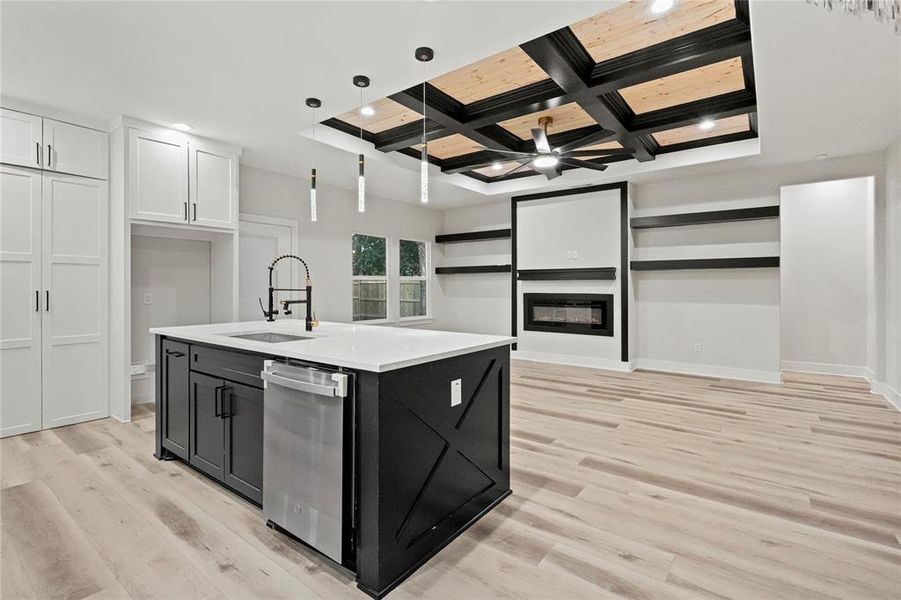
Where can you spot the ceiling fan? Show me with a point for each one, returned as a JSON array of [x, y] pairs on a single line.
[[547, 161]]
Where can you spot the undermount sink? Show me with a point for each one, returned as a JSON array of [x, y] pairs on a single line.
[[269, 337]]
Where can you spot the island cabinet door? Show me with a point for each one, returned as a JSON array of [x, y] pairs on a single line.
[[207, 431], [175, 391], [243, 416]]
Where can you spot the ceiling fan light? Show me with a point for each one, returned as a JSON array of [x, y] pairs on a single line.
[[545, 161]]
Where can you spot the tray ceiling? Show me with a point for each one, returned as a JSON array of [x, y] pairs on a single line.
[[622, 79]]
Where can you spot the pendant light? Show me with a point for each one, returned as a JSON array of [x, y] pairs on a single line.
[[424, 54], [361, 81], [313, 103]]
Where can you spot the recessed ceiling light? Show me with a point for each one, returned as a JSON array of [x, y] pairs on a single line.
[[706, 124], [821, 156], [658, 7], [496, 166], [182, 127], [367, 111], [545, 160]]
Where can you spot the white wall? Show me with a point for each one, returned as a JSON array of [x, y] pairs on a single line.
[[476, 303], [734, 315], [890, 381], [827, 243], [576, 231], [326, 244]]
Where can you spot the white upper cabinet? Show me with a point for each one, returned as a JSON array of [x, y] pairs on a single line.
[[158, 176], [75, 150], [214, 186], [20, 139], [40, 143]]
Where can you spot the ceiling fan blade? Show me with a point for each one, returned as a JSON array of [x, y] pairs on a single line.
[[509, 152], [583, 164], [540, 138], [588, 153], [519, 168], [549, 172]]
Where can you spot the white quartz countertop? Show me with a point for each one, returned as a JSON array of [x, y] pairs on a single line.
[[367, 347]]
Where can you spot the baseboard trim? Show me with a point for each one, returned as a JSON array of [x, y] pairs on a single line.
[[572, 360], [709, 370], [827, 369], [893, 396]]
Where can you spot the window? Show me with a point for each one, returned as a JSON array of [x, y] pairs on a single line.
[[414, 271], [370, 281]]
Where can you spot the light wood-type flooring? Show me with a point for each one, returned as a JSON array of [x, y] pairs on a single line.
[[638, 485]]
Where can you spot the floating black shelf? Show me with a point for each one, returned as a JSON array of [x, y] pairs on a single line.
[[473, 236], [473, 269], [700, 218], [584, 273], [750, 262]]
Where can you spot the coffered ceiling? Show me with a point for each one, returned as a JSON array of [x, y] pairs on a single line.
[[621, 79]]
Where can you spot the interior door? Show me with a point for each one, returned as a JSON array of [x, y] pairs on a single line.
[[20, 303], [20, 139], [75, 265], [77, 150], [261, 241], [214, 186], [243, 416], [158, 176], [207, 431]]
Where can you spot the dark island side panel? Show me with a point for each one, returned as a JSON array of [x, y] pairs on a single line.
[[429, 469]]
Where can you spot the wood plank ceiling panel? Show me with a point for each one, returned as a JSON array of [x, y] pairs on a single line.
[[450, 146], [388, 115], [566, 117], [690, 133], [631, 26], [503, 72], [688, 86]]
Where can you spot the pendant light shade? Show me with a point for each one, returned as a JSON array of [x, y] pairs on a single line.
[[361, 186], [313, 103], [424, 54], [361, 81], [313, 195]]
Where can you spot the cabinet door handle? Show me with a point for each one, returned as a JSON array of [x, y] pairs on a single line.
[[47, 301], [226, 395], [37, 301], [195, 211], [49, 154], [217, 404], [37, 153], [174, 353], [186, 211]]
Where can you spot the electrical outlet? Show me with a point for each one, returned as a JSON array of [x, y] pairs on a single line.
[[575, 254], [138, 369], [148, 299], [456, 392], [569, 254], [697, 346]]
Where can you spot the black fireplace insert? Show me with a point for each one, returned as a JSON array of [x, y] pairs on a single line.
[[586, 314]]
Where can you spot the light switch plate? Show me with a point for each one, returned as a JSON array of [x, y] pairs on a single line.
[[148, 299], [456, 392]]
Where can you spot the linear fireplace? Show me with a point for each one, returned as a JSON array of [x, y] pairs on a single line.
[[586, 314]]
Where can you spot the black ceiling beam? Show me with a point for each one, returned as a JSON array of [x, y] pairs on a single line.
[[400, 137], [447, 111], [716, 107], [707, 46], [565, 60]]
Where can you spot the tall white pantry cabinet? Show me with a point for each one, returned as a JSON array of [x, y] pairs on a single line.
[[54, 265]]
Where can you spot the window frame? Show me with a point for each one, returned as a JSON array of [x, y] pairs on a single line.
[[426, 277], [386, 278]]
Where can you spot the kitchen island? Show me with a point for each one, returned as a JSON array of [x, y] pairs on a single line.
[[422, 443]]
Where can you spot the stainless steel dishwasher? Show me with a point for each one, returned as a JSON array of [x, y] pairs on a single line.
[[304, 473]]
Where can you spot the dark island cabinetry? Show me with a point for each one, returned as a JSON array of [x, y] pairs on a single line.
[[213, 423]]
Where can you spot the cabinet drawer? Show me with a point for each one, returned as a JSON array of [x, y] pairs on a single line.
[[234, 366]]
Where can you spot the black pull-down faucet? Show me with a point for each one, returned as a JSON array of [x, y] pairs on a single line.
[[270, 314]]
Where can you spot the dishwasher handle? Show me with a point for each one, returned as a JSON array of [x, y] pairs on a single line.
[[339, 390]]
